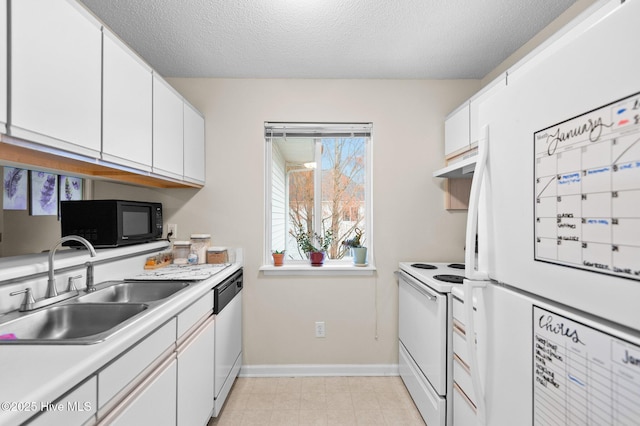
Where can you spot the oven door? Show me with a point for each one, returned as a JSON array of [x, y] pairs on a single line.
[[422, 329]]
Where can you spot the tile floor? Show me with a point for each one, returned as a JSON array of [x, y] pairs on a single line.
[[284, 401]]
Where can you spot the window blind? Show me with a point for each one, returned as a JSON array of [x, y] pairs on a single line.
[[316, 130]]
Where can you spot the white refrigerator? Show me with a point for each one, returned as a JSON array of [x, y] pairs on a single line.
[[552, 299]]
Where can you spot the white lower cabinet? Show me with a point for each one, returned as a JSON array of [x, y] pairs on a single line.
[[153, 402], [195, 376], [117, 379], [76, 408], [464, 398]]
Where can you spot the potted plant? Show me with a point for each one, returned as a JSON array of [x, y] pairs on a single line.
[[358, 252], [278, 257], [314, 245]]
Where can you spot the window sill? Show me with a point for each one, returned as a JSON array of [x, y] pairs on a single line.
[[326, 269]]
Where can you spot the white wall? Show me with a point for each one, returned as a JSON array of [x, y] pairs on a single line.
[[410, 222]]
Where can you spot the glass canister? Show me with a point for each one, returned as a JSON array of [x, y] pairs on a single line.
[[181, 250], [199, 244]]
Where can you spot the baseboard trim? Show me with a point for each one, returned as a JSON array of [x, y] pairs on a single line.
[[302, 370]]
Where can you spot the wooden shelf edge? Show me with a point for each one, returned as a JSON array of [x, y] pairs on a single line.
[[12, 154]]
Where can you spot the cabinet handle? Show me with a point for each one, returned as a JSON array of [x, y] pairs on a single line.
[[464, 396]]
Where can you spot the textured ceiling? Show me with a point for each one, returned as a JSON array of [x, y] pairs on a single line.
[[400, 39]]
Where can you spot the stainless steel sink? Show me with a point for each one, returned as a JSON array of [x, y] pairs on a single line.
[[71, 323], [134, 292]]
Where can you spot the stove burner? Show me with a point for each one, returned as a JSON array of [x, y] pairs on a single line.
[[455, 279], [456, 265], [423, 266]]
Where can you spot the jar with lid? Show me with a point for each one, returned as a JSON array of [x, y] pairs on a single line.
[[181, 250], [199, 244]]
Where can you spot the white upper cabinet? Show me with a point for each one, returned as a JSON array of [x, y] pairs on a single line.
[[168, 138], [478, 106], [56, 75], [127, 106], [3, 66], [194, 145], [456, 131]]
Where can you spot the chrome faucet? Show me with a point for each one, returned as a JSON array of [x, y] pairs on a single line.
[[52, 291]]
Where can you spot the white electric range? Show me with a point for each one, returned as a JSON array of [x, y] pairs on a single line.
[[425, 333]]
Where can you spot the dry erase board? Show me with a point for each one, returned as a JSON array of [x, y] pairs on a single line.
[[582, 375], [587, 190]]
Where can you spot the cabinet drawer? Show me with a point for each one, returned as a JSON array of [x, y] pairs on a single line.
[[432, 407], [458, 310], [462, 376], [464, 412], [460, 342], [192, 315], [125, 369]]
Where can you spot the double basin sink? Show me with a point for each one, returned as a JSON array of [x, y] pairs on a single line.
[[91, 317]]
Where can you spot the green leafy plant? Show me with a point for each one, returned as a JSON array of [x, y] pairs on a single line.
[[310, 242], [355, 241], [278, 252]]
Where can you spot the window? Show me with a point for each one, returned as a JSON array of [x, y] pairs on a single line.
[[319, 182]]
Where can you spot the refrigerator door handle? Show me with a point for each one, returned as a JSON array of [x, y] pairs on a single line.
[[472, 349], [472, 217]]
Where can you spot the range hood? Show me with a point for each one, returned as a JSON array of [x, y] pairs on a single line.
[[462, 169]]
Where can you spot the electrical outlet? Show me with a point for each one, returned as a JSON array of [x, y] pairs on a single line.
[[320, 329], [172, 231]]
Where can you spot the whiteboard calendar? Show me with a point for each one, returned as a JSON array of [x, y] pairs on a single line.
[[587, 190], [582, 375]]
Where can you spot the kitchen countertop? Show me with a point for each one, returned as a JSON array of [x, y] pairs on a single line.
[[42, 373]]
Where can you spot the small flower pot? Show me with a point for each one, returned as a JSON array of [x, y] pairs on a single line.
[[278, 259], [317, 258], [359, 256]]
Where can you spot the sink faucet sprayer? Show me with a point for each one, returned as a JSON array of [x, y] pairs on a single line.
[[52, 291]]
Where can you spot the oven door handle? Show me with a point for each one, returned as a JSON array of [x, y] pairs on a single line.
[[422, 288]]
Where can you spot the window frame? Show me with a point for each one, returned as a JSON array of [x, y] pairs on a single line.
[[331, 266]]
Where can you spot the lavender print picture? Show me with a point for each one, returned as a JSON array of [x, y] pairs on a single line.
[[70, 188], [44, 194], [14, 189]]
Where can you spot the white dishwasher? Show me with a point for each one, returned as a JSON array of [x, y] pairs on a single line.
[[228, 335]]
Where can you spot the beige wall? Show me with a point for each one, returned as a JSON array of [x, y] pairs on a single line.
[[410, 222]]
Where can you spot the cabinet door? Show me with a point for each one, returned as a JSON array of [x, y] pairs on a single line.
[[127, 106], [76, 408], [152, 403], [194, 145], [456, 131], [3, 67], [117, 377], [195, 376], [478, 105], [56, 75], [168, 139]]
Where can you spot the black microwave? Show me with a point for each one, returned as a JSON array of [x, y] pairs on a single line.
[[111, 223]]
